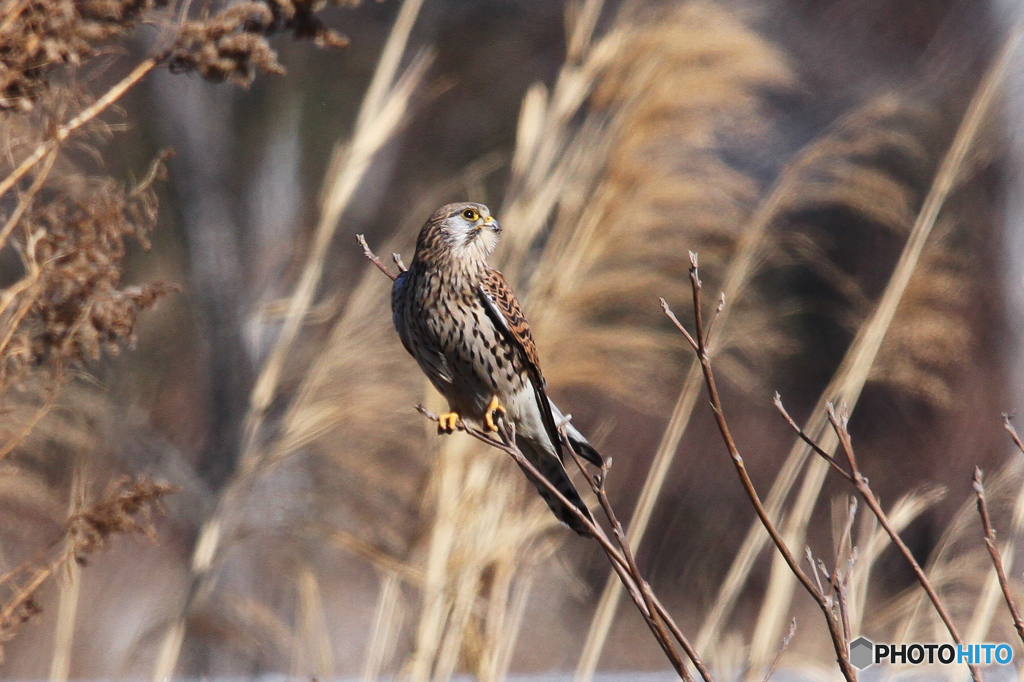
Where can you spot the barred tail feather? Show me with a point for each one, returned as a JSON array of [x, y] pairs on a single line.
[[551, 468]]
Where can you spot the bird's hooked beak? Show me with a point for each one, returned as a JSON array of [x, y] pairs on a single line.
[[490, 223]]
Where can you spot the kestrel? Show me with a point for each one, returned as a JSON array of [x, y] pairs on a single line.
[[459, 318]]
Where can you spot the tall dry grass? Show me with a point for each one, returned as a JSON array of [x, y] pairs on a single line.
[[620, 167], [66, 233], [381, 115], [673, 211], [66, 229], [578, 249], [479, 547], [849, 380]]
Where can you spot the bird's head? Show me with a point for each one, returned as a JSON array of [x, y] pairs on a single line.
[[464, 230]]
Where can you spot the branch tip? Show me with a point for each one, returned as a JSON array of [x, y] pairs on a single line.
[[372, 257]]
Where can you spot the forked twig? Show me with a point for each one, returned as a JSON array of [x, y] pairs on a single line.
[[993, 551], [698, 340], [810, 441], [653, 612], [860, 482], [372, 257]]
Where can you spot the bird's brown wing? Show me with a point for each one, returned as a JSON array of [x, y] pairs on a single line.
[[508, 318]]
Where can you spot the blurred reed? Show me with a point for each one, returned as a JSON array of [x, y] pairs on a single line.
[[70, 586], [382, 113], [697, 45], [853, 372], [849, 145], [618, 169]]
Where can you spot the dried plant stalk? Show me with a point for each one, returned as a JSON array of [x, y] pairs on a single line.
[[70, 587], [997, 559], [126, 507], [381, 115], [699, 342], [386, 623], [993, 588], [848, 381]]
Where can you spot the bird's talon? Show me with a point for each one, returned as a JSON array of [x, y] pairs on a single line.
[[495, 406], [447, 421]]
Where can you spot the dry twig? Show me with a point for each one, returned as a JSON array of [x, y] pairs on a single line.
[[698, 341], [782, 649], [1013, 432], [125, 508], [860, 483], [649, 606], [372, 257], [993, 551]]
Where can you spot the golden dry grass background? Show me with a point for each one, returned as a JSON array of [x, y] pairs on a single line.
[[320, 527]]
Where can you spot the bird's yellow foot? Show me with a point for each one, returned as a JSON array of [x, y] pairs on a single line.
[[446, 422], [495, 406]]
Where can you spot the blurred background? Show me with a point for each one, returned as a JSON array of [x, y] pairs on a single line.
[[822, 157]]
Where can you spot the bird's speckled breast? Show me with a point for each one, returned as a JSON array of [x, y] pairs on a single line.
[[444, 325]]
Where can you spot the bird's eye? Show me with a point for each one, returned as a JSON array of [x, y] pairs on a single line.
[[470, 214]]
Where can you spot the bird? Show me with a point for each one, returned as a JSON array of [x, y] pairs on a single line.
[[458, 317]]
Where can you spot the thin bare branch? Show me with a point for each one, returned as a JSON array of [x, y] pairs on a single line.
[[718, 313], [597, 484], [834, 627], [1008, 425], [839, 424], [373, 258], [809, 441], [844, 610], [809, 555], [782, 649], [677, 323], [652, 610], [993, 551], [844, 537]]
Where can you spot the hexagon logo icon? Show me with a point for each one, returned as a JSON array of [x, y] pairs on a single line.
[[862, 652]]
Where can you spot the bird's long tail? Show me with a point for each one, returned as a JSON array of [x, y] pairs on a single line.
[[551, 468]]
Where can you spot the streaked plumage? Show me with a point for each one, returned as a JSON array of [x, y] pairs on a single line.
[[459, 319]]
